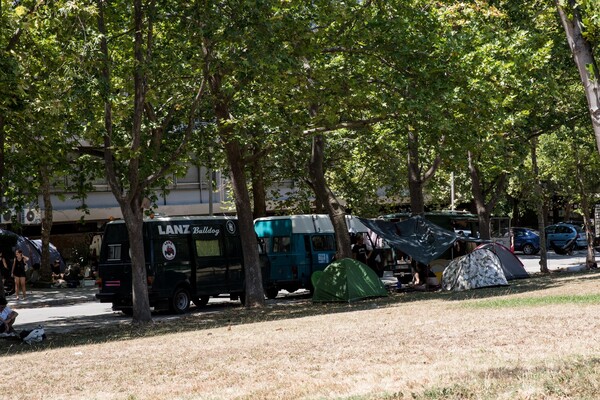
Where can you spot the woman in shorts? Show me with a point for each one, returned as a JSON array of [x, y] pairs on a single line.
[[18, 272]]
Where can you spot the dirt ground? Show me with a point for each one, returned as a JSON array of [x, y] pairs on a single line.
[[419, 346]]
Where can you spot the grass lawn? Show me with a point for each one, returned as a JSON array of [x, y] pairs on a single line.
[[535, 339]]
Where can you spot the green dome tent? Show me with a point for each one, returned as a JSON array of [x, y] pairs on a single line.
[[347, 280]]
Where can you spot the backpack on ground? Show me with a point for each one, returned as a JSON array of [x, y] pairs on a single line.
[[33, 336]]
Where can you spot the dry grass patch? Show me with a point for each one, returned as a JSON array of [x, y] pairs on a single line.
[[534, 339]]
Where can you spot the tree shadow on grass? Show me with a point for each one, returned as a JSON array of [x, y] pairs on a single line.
[[85, 330]]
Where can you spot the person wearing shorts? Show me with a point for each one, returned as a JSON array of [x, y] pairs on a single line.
[[18, 272]]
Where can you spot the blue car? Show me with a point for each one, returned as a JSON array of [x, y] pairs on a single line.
[[560, 234], [526, 240]]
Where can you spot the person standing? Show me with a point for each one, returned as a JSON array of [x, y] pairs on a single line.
[[18, 272], [4, 266], [5, 275], [359, 250]]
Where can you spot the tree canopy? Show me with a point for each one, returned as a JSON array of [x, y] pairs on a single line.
[[362, 105]]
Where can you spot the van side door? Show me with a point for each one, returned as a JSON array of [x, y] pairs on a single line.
[[211, 262], [322, 251], [172, 263]]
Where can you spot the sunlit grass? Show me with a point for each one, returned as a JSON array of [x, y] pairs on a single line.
[[534, 301], [533, 339]]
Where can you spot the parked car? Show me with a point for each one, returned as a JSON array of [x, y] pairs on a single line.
[[526, 240], [561, 233]]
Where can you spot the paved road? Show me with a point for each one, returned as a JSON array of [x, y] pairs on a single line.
[[58, 319], [555, 261], [63, 310]]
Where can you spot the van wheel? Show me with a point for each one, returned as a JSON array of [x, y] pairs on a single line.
[[127, 311], [201, 301], [271, 293], [180, 302]]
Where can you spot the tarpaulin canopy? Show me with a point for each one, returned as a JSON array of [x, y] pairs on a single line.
[[417, 237]]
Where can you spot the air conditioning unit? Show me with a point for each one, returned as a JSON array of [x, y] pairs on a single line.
[[31, 216], [7, 216]]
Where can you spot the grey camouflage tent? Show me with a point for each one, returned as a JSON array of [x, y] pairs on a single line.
[[480, 268], [511, 265]]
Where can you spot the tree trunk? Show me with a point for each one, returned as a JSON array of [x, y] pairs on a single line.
[[129, 201], [326, 197], [484, 209], [583, 54], [416, 179], [415, 183], [254, 288], [590, 259], [2, 143], [259, 193], [540, 209], [134, 219], [47, 218]]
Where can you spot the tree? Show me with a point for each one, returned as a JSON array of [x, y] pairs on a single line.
[[579, 20], [15, 21], [485, 194], [512, 87], [327, 198], [571, 167], [37, 109], [540, 208], [246, 58], [147, 104]]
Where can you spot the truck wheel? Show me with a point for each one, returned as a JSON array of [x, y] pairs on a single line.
[[180, 302], [271, 293], [201, 301]]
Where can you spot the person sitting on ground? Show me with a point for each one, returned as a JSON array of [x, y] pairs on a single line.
[[56, 270], [7, 317], [73, 275]]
